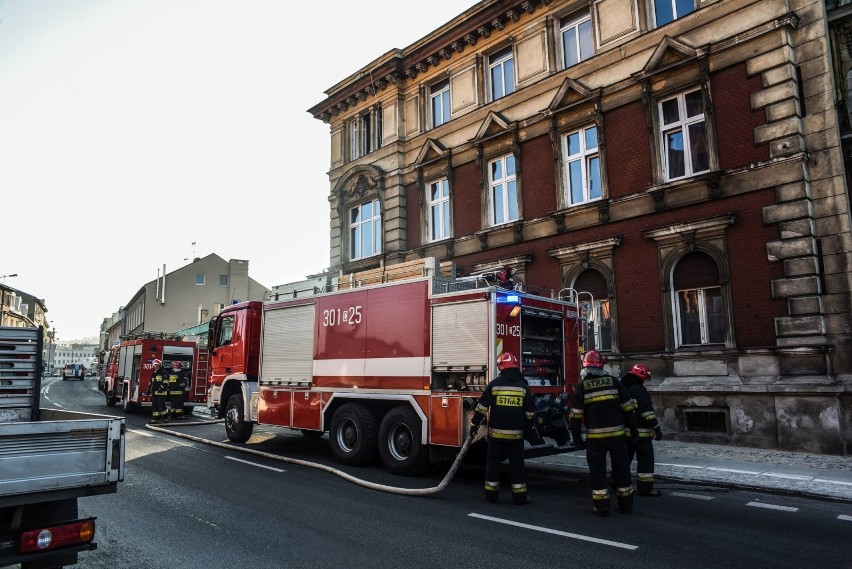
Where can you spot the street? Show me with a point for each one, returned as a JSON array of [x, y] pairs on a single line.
[[186, 504]]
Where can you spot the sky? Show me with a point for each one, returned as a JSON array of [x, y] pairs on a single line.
[[135, 134]]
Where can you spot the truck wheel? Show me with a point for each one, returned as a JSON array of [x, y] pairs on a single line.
[[110, 397], [354, 435], [126, 404], [238, 429], [400, 446]]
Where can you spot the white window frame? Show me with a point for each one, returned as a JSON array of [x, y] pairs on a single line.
[[702, 316], [682, 125], [576, 22], [585, 157], [200, 279], [356, 229], [504, 184], [442, 205], [504, 60], [442, 94], [360, 135], [674, 5]]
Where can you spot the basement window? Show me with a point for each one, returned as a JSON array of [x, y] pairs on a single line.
[[706, 420]]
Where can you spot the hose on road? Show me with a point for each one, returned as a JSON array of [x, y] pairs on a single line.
[[337, 472]]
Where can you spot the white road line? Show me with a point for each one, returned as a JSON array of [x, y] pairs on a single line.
[[680, 465], [832, 481], [556, 532], [693, 496], [733, 470], [140, 432], [772, 507], [844, 518], [254, 464]]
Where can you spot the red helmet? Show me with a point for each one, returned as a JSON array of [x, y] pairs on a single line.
[[177, 365], [641, 371], [593, 359], [156, 363], [507, 360]]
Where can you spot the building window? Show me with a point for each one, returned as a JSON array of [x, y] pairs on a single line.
[[365, 230], [503, 191], [439, 210], [596, 307], [582, 166], [501, 68], [684, 135], [666, 11], [698, 307], [578, 42], [439, 98], [199, 278], [223, 280], [360, 136]]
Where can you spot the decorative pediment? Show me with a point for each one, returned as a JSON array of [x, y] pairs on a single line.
[[669, 52], [494, 124], [570, 93], [359, 182], [432, 150]]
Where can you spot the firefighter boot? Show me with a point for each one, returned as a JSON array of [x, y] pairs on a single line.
[[492, 491], [600, 499], [625, 499], [645, 485], [519, 495]]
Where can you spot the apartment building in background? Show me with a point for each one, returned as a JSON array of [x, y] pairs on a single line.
[[681, 162]]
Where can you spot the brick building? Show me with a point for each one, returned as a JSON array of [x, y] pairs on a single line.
[[678, 161]]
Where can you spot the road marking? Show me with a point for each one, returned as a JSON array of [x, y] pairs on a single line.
[[733, 470], [693, 496], [204, 522], [832, 481], [844, 518], [556, 532], [254, 464], [772, 507], [679, 465], [139, 432]]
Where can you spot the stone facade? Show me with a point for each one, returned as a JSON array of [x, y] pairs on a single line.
[[723, 264]]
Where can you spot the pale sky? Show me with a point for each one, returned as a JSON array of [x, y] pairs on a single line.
[[131, 128]]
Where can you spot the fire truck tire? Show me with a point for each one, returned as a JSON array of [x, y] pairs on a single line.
[[110, 397], [400, 446], [354, 435], [238, 429], [126, 404]]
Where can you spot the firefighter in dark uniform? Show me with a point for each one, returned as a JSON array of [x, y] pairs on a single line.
[[604, 405], [649, 430], [512, 408], [177, 390], [159, 392]]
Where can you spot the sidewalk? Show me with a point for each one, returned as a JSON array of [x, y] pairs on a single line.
[[797, 473]]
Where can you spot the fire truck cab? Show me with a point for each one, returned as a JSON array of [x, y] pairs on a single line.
[[392, 369], [129, 368]]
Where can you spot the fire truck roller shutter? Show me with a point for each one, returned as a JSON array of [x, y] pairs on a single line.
[[457, 334], [288, 346]]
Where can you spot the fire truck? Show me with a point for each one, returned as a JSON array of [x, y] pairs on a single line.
[[392, 368], [129, 367]]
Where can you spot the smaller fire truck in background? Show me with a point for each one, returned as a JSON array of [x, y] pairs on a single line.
[[129, 367], [393, 368]]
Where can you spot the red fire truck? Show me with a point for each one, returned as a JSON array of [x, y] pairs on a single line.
[[129, 368], [392, 368]]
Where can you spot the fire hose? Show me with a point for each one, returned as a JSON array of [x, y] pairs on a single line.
[[337, 472]]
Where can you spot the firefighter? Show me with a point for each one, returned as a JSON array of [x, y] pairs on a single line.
[[649, 430], [512, 408], [603, 404], [177, 390], [159, 392]]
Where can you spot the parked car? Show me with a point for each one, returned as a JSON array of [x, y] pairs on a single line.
[[73, 371]]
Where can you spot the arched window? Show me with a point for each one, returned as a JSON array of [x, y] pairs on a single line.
[[698, 306], [600, 313]]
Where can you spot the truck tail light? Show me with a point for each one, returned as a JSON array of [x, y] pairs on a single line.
[[56, 536]]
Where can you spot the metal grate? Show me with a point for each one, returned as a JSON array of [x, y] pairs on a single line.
[[706, 420]]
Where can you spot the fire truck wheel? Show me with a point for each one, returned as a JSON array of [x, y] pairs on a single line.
[[238, 429], [400, 445], [354, 434], [110, 397], [126, 404]]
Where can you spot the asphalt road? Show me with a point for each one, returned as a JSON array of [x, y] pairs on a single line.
[[185, 504]]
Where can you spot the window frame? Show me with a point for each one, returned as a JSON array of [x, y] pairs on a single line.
[[200, 279], [683, 125], [703, 318], [673, 5], [223, 280], [362, 138], [446, 216], [504, 182], [584, 157], [439, 90], [501, 59], [356, 229], [575, 21]]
